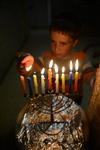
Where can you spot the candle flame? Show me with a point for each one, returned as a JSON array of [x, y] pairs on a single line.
[[51, 64], [42, 71], [76, 65], [63, 69], [28, 68], [56, 68], [71, 65]]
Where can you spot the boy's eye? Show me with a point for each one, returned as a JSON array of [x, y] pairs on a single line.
[[53, 42], [63, 43], [60, 43]]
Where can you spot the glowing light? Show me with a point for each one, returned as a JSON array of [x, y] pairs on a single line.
[[28, 68]]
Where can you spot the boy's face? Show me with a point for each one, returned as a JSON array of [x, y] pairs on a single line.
[[61, 44]]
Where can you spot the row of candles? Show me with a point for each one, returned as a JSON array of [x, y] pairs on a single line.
[[50, 76]]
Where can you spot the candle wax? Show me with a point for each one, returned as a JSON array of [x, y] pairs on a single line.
[[43, 84], [63, 83], [30, 86], [35, 83], [22, 79], [76, 82]]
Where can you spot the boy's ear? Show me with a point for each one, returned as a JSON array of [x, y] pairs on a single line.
[[76, 42]]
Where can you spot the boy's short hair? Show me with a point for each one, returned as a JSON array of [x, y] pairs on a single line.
[[67, 24]]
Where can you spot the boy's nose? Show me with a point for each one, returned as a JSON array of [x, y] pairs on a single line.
[[57, 48]]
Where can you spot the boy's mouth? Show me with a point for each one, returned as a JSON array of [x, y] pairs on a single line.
[[59, 55]]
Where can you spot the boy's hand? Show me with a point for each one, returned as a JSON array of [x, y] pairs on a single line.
[[88, 78], [28, 62], [25, 64]]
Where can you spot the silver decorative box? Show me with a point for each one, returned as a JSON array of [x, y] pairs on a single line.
[[52, 122]]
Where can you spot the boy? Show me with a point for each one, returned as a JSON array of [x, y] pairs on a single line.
[[64, 34]]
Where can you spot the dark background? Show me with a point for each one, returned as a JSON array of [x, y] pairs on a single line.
[[24, 27]]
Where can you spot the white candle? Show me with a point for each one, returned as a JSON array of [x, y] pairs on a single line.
[[56, 79], [43, 81], [35, 83], [63, 79]]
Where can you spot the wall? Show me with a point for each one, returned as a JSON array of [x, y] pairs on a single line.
[[13, 32]]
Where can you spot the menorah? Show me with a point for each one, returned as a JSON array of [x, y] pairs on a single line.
[[51, 120]]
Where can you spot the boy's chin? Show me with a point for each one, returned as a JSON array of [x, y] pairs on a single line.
[[59, 56]]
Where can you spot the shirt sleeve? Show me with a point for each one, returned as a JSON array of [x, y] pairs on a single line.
[[88, 68]]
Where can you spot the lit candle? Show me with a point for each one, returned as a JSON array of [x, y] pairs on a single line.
[[35, 83], [76, 76], [22, 79], [43, 81], [63, 79], [56, 79], [28, 68], [70, 75], [50, 86], [30, 86]]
